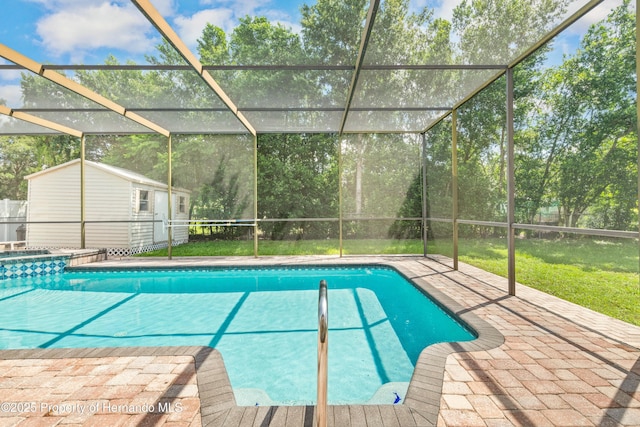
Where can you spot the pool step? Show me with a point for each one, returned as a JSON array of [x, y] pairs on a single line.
[[85, 257]]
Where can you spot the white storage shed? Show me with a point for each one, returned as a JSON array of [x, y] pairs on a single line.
[[124, 211]]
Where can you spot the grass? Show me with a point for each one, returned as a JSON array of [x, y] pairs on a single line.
[[599, 274], [293, 247]]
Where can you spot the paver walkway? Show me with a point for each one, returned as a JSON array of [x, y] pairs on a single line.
[[99, 391], [560, 364], [557, 364]]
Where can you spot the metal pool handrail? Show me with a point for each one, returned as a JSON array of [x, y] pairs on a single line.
[[323, 343]]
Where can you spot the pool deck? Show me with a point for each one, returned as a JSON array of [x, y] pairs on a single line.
[[539, 361]]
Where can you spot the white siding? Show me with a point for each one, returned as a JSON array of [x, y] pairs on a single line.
[[106, 200], [111, 210], [180, 234], [56, 198], [141, 232]]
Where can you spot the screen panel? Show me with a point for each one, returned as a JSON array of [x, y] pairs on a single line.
[[285, 88], [298, 196], [156, 88], [13, 126], [127, 197], [54, 208], [294, 121], [414, 33], [196, 121], [359, 121], [416, 88], [576, 158], [382, 189], [482, 155], [439, 171], [92, 33], [439, 203]]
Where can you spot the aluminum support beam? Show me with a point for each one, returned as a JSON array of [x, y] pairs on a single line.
[[158, 21], [454, 184], [340, 196], [364, 42], [83, 194], [40, 122], [61, 80], [169, 195], [425, 231], [255, 196], [511, 191], [638, 121]]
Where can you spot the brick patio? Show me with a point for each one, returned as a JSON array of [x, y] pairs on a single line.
[[539, 361]]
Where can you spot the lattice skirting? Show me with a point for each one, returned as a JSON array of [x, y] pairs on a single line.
[[124, 252]]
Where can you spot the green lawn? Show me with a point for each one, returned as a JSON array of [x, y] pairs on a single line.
[[598, 274], [293, 247]]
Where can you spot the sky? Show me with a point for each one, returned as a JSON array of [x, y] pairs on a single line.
[[87, 31], [568, 41]]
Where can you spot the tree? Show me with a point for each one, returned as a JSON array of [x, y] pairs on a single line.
[[221, 198], [410, 208], [199, 161], [297, 178], [496, 31], [439, 203], [145, 154], [579, 150], [17, 159]]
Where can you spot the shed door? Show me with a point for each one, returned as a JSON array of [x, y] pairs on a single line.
[[160, 209]]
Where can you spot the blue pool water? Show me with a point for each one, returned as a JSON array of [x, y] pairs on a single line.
[[263, 321]]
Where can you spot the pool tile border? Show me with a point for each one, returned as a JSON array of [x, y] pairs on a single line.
[[217, 402], [425, 388], [31, 266]]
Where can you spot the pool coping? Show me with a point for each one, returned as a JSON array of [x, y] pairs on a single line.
[[217, 402]]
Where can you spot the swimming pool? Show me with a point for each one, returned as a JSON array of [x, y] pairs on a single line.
[[262, 320]]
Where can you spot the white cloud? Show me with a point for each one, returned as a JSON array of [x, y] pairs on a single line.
[[444, 9], [75, 30], [12, 94], [189, 28], [243, 8], [283, 17], [596, 15], [226, 15], [165, 7], [78, 28], [295, 27], [10, 75]]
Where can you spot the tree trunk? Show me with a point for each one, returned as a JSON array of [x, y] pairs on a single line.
[[360, 150]]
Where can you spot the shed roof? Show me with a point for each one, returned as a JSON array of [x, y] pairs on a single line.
[[364, 90], [125, 174]]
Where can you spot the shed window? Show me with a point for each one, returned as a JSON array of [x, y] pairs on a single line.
[[181, 205], [143, 200]]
